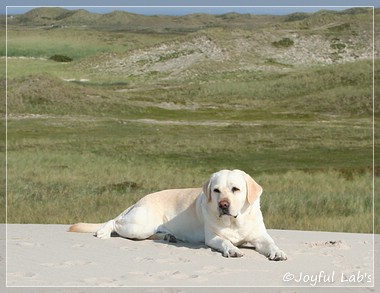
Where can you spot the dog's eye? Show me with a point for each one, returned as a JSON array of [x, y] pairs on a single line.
[[216, 190], [234, 189]]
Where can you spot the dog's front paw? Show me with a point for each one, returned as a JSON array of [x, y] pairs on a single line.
[[277, 254], [232, 252]]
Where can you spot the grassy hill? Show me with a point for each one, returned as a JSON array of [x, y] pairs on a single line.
[[121, 20], [193, 22], [154, 102], [354, 24]]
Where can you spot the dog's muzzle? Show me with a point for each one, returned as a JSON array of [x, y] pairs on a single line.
[[224, 208]]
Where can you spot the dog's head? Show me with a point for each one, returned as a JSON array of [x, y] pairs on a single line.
[[229, 191]]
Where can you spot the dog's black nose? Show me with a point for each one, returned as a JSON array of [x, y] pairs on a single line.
[[224, 204]]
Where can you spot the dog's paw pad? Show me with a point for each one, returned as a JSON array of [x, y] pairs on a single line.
[[233, 252], [277, 255]]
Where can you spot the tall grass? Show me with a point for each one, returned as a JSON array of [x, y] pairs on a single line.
[[313, 201], [58, 166], [53, 188]]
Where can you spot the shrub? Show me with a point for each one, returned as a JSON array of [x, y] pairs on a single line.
[[338, 46], [61, 58], [283, 43]]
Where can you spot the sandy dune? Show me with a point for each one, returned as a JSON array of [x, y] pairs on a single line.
[[47, 255]]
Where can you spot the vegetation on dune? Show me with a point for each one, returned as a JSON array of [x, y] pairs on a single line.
[[170, 100], [343, 89], [61, 58], [283, 43]]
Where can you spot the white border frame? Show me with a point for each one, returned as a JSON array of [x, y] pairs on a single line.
[[196, 6]]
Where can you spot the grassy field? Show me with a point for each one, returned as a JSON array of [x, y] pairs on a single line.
[[58, 166], [84, 151]]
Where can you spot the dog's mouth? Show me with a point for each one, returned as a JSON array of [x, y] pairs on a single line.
[[224, 212]]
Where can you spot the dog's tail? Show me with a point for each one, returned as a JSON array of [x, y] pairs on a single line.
[[85, 227]]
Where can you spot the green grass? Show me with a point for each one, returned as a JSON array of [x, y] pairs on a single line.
[[312, 201], [54, 187], [334, 90], [58, 165], [74, 43]]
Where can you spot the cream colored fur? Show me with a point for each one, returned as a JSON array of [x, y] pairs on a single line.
[[224, 215]]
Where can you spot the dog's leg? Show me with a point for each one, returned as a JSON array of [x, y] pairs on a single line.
[[106, 230], [266, 246], [223, 245], [134, 223], [137, 223]]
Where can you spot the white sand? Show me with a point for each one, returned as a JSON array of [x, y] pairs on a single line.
[[47, 255]]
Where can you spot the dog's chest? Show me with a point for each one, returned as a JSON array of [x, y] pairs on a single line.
[[235, 230]]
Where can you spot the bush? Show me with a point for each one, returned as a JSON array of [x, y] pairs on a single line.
[[283, 43], [338, 46], [61, 58]]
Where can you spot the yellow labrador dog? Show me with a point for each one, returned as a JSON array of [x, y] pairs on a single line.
[[224, 215]]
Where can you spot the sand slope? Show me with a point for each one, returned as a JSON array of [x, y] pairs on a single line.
[[47, 255]]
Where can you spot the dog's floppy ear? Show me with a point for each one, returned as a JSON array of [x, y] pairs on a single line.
[[254, 190], [207, 189], [207, 186]]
